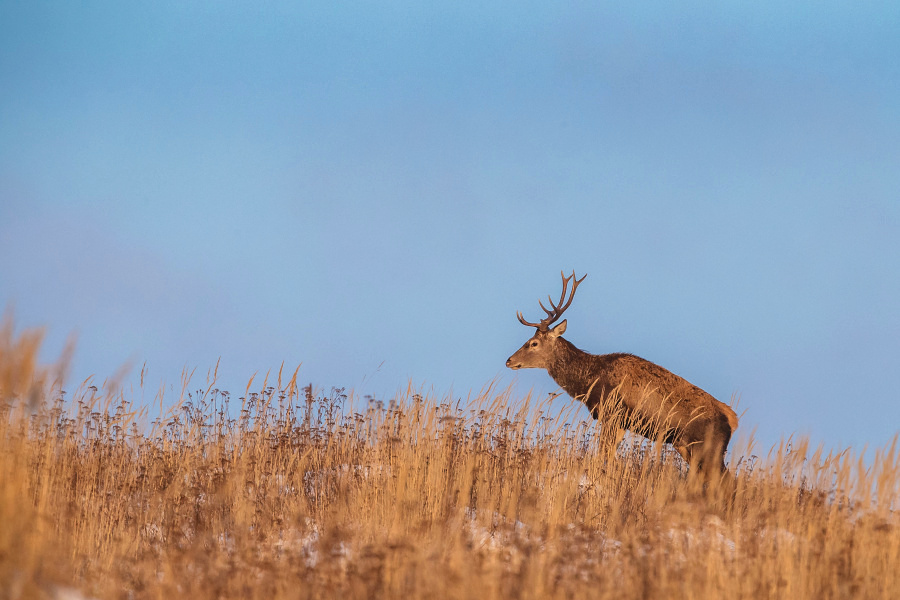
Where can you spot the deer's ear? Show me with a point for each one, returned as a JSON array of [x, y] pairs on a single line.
[[559, 329]]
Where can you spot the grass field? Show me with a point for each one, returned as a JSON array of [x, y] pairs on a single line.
[[285, 492]]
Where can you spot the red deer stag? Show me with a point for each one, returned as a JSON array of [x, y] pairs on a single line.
[[628, 392]]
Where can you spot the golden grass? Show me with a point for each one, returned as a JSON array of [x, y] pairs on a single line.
[[290, 493]]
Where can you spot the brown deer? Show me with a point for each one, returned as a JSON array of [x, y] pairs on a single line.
[[628, 392]]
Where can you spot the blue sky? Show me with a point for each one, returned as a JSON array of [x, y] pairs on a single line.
[[373, 189]]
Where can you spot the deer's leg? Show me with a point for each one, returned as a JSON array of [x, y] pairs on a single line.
[[612, 430], [718, 482], [616, 435], [611, 436], [714, 452], [685, 451]]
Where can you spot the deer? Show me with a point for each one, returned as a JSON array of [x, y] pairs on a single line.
[[626, 392]]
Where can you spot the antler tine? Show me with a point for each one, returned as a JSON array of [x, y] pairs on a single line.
[[555, 306], [524, 322], [572, 295], [563, 295], [549, 312]]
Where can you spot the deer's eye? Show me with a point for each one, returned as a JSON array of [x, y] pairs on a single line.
[[534, 344]]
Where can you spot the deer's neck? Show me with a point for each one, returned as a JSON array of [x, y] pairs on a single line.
[[575, 370]]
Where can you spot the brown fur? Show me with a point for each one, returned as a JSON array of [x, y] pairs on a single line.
[[628, 392], [649, 399]]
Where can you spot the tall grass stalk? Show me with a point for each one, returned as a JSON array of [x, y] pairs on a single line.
[[291, 492]]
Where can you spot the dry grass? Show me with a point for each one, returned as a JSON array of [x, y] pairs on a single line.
[[290, 493]]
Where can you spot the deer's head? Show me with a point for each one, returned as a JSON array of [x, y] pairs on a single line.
[[539, 351]]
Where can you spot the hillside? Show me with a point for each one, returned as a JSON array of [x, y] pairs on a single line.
[[288, 492]]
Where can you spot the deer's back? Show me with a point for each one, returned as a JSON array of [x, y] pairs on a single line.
[[650, 392]]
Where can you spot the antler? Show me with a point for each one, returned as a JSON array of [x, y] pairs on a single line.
[[556, 310]]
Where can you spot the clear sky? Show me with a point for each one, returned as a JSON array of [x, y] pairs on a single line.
[[373, 189]]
